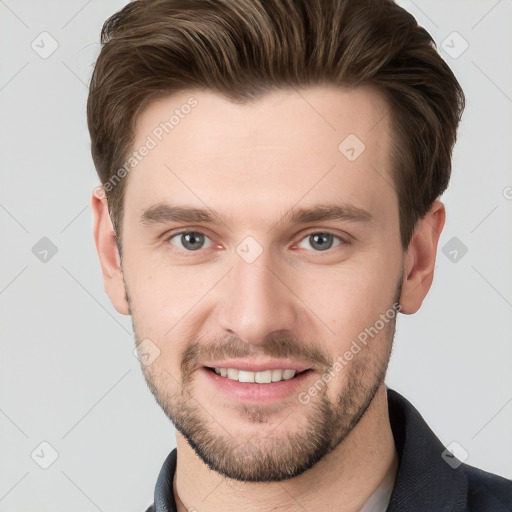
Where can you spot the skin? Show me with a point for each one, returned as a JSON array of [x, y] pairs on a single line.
[[254, 164]]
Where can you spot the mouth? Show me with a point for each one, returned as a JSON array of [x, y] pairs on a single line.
[[258, 377], [264, 385]]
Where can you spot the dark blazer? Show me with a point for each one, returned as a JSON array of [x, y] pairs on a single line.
[[427, 480]]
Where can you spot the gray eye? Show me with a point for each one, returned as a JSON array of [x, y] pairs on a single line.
[[189, 240], [320, 241]]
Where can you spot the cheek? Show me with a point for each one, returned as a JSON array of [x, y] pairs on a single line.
[[166, 301], [348, 297], [152, 281]]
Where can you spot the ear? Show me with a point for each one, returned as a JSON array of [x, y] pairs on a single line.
[[108, 252], [420, 259]]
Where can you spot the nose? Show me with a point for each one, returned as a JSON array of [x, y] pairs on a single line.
[[257, 299]]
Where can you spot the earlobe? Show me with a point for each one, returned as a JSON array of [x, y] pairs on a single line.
[[108, 253], [420, 259]]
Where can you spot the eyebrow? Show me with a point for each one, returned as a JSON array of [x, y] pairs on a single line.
[[164, 213]]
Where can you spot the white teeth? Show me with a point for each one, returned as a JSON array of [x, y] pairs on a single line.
[[288, 374], [232, 374], [277, 375], [264, 377], [244, 376]]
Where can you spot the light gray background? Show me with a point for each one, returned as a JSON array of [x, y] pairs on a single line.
[[67, 372]]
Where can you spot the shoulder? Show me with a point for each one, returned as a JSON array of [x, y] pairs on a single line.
[[487, 492], [426, 482]]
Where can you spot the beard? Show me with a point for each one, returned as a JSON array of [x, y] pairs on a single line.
[[272, 457]]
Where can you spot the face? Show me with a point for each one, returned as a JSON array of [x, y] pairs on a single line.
[[262, 264]]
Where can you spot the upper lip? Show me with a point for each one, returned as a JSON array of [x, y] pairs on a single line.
[[258, 366]]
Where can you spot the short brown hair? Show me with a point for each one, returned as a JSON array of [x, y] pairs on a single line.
[[245, 48]]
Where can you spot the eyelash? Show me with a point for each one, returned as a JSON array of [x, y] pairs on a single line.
[[342, 240]]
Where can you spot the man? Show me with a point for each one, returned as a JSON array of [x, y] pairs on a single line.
[[302, 147]]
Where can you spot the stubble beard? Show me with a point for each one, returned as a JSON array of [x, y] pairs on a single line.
[[274, 457]]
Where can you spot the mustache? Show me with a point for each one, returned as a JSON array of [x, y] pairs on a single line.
[[276, 345]]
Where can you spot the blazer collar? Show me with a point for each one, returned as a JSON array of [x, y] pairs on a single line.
[[425, 481]]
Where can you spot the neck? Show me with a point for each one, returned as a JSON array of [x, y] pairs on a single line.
[[343, 480]]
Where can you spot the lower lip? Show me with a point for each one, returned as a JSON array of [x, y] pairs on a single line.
[[254, 392]]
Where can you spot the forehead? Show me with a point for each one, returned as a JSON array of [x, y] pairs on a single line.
[[286, 147]]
